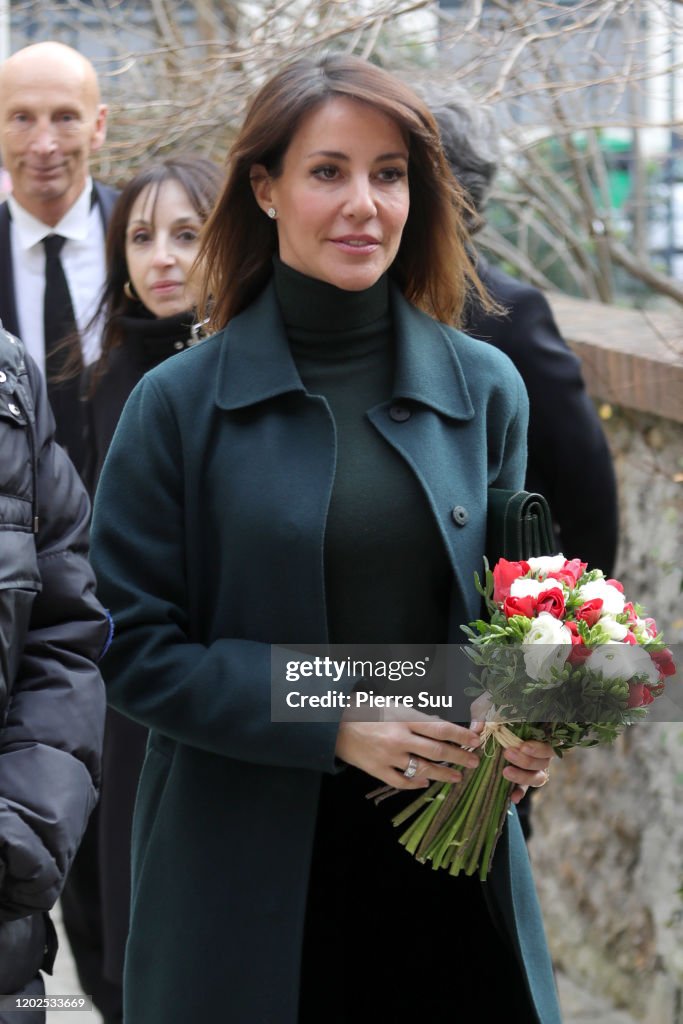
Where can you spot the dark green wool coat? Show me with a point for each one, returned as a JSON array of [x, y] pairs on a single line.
[[208, 545]]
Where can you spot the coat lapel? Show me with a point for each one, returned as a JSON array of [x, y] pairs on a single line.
[[437, 439], [106, 198], [255, 363], [428, 370]]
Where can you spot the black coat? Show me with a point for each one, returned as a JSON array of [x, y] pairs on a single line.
[[147, 342], [569, 460], [52, 632]]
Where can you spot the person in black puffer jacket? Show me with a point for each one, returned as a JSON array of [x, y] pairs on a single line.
[[52, 633]]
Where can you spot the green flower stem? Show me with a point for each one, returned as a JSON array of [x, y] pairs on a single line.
[[488, 823], [457, 825], [476, 818], [452, 794], [412, 837], [418, 804], [466, 812], [498, 818]]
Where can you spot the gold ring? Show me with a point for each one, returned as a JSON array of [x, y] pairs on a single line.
[[546, 772]]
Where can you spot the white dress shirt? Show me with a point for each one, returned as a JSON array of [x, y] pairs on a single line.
[[83, 260]]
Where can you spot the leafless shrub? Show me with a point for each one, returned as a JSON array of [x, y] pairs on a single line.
[[563, 79]]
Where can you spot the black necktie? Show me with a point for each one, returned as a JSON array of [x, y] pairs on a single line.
[[60, 324]]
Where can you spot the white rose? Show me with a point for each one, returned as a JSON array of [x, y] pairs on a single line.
[[547, 645], [615, 630], [546, 563], [534, 588], [525, 588], [623, 661], [613, 600]]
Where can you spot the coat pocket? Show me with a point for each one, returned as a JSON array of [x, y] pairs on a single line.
[[18, 559]]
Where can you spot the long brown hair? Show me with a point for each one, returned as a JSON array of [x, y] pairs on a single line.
[[432, 266]]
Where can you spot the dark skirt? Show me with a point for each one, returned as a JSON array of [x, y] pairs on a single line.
[[388, 938]]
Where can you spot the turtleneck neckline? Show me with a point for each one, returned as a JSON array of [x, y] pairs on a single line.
[[320, 314], [149, 339]]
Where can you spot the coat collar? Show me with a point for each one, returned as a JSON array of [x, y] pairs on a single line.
[[256, 363]]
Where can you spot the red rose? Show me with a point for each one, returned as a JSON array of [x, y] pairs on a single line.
[[520, 606], [579, 651], [664, 661], [650, 626], [617, 584], [590, 611], [575, 568], [564, 576], [630, 638], [551, 601], [639, 695], [631, 612], [504, 573]]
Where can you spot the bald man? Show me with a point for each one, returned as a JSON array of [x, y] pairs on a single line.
[[51, 122]]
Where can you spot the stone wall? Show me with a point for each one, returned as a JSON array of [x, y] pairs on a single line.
[[608, 831]]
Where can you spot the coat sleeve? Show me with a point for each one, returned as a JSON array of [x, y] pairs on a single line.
[[568, 451], [51, 740], [215, 696], [511, 461]]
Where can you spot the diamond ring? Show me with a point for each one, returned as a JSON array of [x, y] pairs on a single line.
[[411, 770]]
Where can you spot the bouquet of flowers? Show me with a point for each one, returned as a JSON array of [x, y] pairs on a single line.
[[563, 658]]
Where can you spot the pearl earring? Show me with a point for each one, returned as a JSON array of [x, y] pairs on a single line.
[[272, 212]]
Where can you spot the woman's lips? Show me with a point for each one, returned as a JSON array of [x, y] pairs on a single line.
[[362, 244], [166, 286]]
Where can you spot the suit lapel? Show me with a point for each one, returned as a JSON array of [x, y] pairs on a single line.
[[106, 198]]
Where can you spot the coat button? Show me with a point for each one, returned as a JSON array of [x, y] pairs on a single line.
[[460, 515], [14, 409], [399, 413]]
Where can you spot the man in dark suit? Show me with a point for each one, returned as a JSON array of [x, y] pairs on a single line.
[[569, 459], [52, 225], [52, 269]]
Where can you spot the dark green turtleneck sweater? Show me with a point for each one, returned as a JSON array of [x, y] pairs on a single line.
[[386, 570]]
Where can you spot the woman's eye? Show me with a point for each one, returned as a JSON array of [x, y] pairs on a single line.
[[188, 235], [327, 172], [139, 237], [390, 174]]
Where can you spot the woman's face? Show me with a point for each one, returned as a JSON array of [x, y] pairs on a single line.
[[162, 241], [342, 198]]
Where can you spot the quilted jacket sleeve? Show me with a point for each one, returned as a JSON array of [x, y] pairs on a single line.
[[50, 742]]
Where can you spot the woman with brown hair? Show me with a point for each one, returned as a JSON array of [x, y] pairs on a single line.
[[315, 472], [149, 302]]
